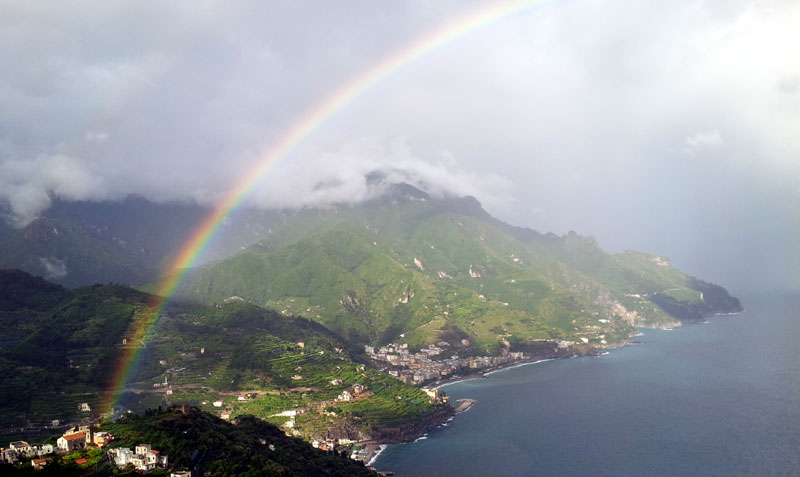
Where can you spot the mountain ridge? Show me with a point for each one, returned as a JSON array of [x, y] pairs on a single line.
[[393, 259]]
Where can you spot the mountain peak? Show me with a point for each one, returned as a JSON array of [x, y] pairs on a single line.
[[404, 190]]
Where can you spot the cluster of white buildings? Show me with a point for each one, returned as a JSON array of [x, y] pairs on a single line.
[[352, 393], [76, 438], [419, 367], [143, 458], [79, 437], [20, 449]]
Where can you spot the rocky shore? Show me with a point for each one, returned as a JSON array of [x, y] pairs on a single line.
[[464, 404]]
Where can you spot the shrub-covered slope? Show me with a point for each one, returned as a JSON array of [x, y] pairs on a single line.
[[427, 269], [60, 347], [201, 442]]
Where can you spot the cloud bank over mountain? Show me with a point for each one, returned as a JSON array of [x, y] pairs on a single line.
[[666, 126]]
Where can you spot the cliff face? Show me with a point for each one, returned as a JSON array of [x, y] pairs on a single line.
[[714, 300], [410, 431]]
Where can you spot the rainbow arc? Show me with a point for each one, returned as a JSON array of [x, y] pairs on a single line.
[[280, 150]]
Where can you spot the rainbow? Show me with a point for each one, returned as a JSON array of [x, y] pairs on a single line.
[[338, 101]]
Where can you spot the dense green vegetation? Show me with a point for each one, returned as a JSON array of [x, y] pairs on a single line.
[[353, 269], [201, 442], [279, 363], [402, 268], [415, 269], [58, 346], [253, 360]]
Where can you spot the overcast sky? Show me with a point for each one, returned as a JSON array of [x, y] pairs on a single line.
[[671, 127]]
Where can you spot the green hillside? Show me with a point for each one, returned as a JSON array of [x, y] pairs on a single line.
[[205, 445], [432, 269], [61, 347], [58, 347], [201, 442]]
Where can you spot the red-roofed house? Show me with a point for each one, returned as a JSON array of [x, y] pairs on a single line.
[[80, 461], [156, 458], [39, 463], [71, 442], [102, 439]]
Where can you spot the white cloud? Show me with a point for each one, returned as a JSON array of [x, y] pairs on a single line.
[[28, 185], [702, 141], [54, 268], [571, 108], [93, 136], [317, 177]]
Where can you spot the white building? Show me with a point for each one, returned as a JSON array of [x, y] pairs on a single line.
[[121, 456], [143, 458], [9, 455], [345, 396], [45, 450], [21, 447], [70, 442]]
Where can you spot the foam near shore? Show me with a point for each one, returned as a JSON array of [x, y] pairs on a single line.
[[517, 366], [375, 453]]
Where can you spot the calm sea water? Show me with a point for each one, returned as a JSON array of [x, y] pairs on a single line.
[[721, 398]]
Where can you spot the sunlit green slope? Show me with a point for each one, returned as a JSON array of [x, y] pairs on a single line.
[[60, 348], [433, 269]]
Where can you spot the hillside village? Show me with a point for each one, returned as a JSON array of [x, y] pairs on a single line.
[[82, 446], [421, 367]]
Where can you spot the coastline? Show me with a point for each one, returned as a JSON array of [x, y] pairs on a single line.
[[485, 373], [374, 450], [502, 415], [464, 405]]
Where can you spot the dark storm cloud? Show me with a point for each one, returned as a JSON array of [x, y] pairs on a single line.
[[671, 126]]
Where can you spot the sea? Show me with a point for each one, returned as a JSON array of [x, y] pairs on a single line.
[[715, 398]]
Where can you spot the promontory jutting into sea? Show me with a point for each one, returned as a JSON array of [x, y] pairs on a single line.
[[358, 238]]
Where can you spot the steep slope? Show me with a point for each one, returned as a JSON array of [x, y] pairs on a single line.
[[127, 241], [432, 269], [57, 346], [202, 443], [199, 442], [61, 353]]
